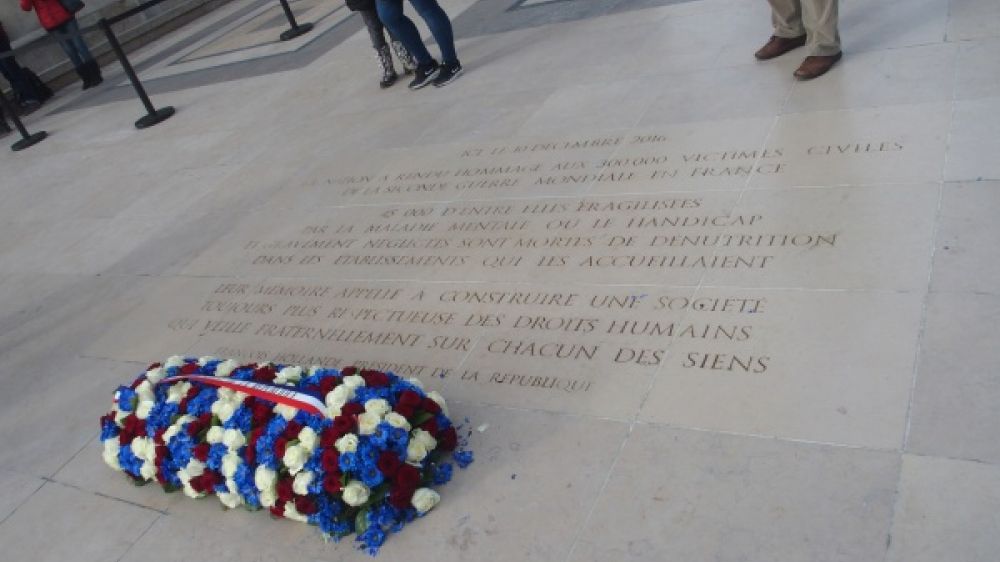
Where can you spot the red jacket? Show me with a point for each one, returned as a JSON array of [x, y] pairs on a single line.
[[51, 13]]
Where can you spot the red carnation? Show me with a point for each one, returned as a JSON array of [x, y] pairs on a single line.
[[430, 426], [388, 463], [158, 436], [292, 430], [400, 497], [430, 406], [448, 439], [279, 447], [331, 484], [410, 398], [305, 505], [348, 371], [261, 412], [352, 409], [343, 424], [330, 460], [285, 490], [328, 384], [189, 369], [328, 437], [406, 410], [200, 451], [264, 374], [192, 392], [278, 510], [407, 476], [125, 437], [161, 454], [375, 379]]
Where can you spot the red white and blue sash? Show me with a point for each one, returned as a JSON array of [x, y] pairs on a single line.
[[272, 393]]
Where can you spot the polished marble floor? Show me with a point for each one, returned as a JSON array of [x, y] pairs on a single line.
[[690, 308]]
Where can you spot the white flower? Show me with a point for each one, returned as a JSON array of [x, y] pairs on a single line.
[[233, 439], [424, 438], [355, 493], [308, 438], [226, 410], [230, 462], [347, 443], [230, 500], [367, 422], [397, 420], [215, 435], [174, 361], [120, 416], [239, 397], [110, 453], [288, 375], [144, 448], [354, 381], [155, 375], [232, 486], [268, 497], [177, 392], [225, 394], [144, 408], [425, 499], [226, 368], [339, 396], [302, 481], [295, 458], [264, 478], [415, 382], [147, 471], [291, 513], [287, 412], [202, 361], [436, 396], [378, 406], [332, 412], [145, 391], [415, 451], [194, 469], [190, 492], [176, 427]]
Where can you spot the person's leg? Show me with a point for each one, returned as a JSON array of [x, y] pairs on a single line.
[[65, 41], [76, 39], [384, 53], [786, 17], [820, 18], [401, 27], [440, 26], [375, 28]]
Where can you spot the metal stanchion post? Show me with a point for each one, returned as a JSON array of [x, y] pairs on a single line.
[[27, 140], [296, 29], [153, 115]]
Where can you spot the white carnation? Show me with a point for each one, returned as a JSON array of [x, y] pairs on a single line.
[[110, 453], [143, 410], [287, 412], [291, 513], [354, 381], [147, 471], [424, 438], [295, 458], [308, 438], [302, 481], [415, 451], [231, 500], [155, 375], [226, 410], [367, 422], [230, 463], [339, 396], [436, 396], [233, 439], [226, 368], [177, 392], [347, 443], [174, 361], [268, 497], [265, 478], [288, 375], [397, 420], [215, 435], [355, 493], [378, 406]]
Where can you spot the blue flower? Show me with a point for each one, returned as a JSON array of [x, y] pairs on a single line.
[[242, 374], [108, 430], [348, 462], [160, 417], [180, 449], [126, 399], [129, 462], [241, 419], [443, 422], [371, 476], [372, 539], [215, 454], [463, 458], [442, 474], [202, 402]]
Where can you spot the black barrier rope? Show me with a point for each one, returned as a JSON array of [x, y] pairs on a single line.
[[153, 115], [27, 139], [296, 28]]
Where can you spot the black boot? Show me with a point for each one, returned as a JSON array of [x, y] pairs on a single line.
[[4, 128], [91, 74], [389, 75], [84, 73]]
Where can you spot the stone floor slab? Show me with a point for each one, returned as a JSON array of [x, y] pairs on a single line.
[[964, 257]]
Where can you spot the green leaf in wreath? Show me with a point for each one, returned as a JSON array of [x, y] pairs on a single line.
[[361, 521], [421, 417]]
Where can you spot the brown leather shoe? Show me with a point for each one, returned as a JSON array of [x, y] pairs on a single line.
[[777, 46], [814, 67]]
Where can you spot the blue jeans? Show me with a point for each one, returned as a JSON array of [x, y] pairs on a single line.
[[401, 27], [72, 42]]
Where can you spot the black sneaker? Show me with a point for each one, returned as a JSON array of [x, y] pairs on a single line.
[[448, 73], [424, 75]]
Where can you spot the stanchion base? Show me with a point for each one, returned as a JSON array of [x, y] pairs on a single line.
[[158, 116], [294, 32], [29, 141]]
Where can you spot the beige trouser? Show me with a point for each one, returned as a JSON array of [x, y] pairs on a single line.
[[816, 18]]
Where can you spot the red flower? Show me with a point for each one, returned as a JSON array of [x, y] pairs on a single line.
[[292, 430], [161, 454], [410, 398], [311, 389], [279, 447], [200, 451], [328, 437], [430, 406], [407, 476], [261, 412], [448, 439], [430, 426], [330, 460], [189, 369], [406, 410], [348, 371], [343, 424], [400, 497], [278, 510], [388, 463], [125, 437], [305, 505], [375, 379], [328, 384], [264, 374], [352, 409], [192, 392], [285, 490], [331, 483]]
